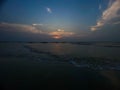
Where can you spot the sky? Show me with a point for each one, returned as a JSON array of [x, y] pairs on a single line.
[[59, 20]]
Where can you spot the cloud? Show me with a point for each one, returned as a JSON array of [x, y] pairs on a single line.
[[22, 32], [60, 33], [20, 27], [100, 7], [110, 3], [109, 16], [117, 22], [49, 10], [37, 24]]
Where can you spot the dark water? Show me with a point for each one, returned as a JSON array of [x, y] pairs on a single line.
[[25, 66], [78, 50], [93, 56]]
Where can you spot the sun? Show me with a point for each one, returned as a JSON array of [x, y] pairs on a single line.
[[60, 33], [56, 36]]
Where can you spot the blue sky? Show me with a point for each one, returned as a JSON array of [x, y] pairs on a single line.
[[63, 11], [71, 19]]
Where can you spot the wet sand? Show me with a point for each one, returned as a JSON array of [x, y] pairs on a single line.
[[29, 75]]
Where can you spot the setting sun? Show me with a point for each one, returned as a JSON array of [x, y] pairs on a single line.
[[57, 37], [60, 34]]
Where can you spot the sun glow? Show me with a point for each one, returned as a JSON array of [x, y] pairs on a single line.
[[60, 33], [57, 37]]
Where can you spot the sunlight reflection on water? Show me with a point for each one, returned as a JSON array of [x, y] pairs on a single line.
[[78, 50]]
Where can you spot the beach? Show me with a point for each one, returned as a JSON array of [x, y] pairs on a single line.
[[24, 67]]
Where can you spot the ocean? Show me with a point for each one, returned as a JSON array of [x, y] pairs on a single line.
[[25, 66]]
